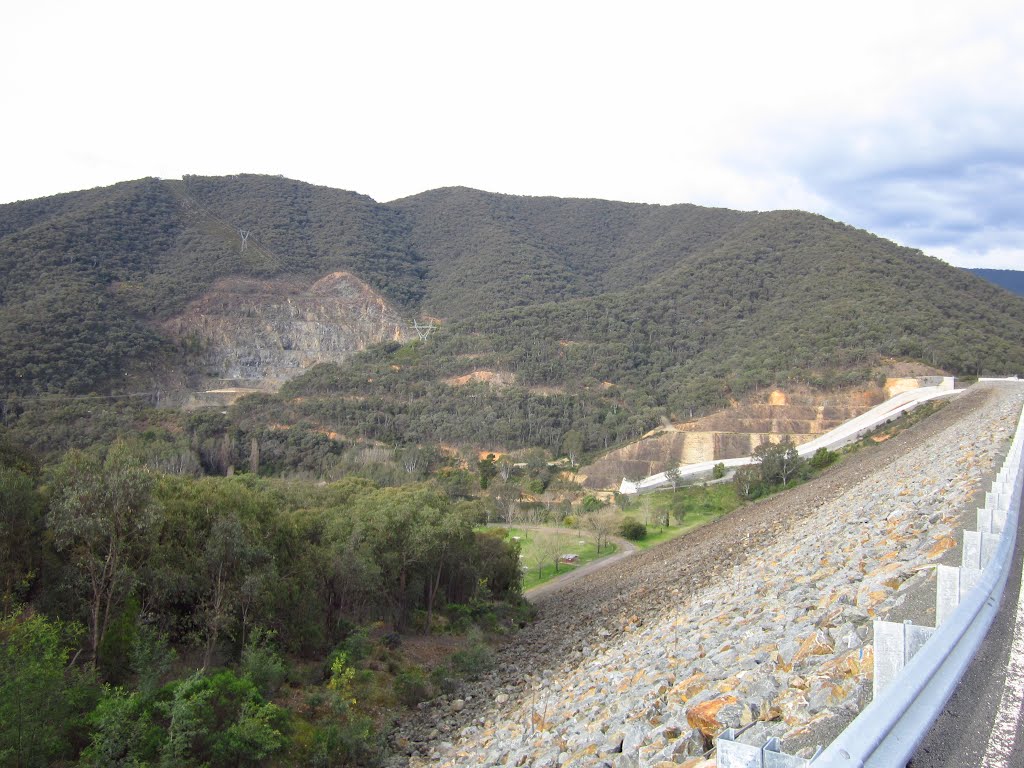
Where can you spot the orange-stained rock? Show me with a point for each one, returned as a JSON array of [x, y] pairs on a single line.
[[588, 751], [690, 687], [791, 704], [704, 716], [729, 684], [868, 598], [850, 664], [944, 544], [818, 644], [697, 762]]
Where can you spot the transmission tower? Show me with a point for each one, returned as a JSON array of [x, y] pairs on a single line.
[[423, 331]]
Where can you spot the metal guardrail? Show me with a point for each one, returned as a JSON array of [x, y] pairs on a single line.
[[889, 729]]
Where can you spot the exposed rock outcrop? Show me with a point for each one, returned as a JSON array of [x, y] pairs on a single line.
[[264, 332]]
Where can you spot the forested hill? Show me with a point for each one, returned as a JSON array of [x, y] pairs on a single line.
[[88, 275], [594, 314], [1010, 279], [780, 298], [485, 251]]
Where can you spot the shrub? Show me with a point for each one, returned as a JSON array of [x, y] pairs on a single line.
[[358, 645], [718, 471], [411, 687], [443, 678], [220, 720], [348, 742], [679, 512], [473, 661], [262, 664], [633, 529], [822, 458]]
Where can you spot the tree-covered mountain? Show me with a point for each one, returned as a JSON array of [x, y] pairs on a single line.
[[89, 275], [1010, 279], [555, 315], [780, 298]]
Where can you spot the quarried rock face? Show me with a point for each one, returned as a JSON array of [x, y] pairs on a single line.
[[268, 331], [734, 432]]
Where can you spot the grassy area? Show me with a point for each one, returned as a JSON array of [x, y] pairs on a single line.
[[539, 567], [686, 508]]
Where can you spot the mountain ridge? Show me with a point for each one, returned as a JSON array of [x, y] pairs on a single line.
[[595, 315]]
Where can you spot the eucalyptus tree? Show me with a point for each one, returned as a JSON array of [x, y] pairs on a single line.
[[101, 515]]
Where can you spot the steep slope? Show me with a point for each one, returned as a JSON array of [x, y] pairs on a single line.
[[247, 331], [800, 415]]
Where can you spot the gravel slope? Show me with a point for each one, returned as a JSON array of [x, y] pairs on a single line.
[[618, 613]]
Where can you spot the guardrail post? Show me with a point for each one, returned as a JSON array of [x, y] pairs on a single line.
[[895, 645], [978, 549], [997, 500], [735, 754], [991, 520], [952, 584], [773, 757]]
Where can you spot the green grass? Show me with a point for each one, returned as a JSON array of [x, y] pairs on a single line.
[[700, 505], [570, 543]]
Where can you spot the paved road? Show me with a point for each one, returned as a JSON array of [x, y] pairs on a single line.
[[981, 723]]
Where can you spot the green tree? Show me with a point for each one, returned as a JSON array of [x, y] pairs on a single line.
[[220, 720], [673, 475], [41, 699], [632, 529], [747, 480], [21, 525], [822, 458], [410, 530], [777, 463], [488, 470], [125, 731], [212, 571], [101, 516], [572, 446]]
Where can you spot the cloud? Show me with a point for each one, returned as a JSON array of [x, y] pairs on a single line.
[[900, 118], [946, 174]]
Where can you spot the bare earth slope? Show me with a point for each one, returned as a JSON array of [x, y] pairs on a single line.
[[616, 664]]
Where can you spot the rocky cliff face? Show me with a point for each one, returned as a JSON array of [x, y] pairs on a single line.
[[264, 332]]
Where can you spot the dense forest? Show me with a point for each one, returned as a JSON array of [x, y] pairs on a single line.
[[153, 617]]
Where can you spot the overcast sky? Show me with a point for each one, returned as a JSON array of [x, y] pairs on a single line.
[[903, 118]]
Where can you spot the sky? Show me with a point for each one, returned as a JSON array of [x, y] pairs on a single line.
[[902, 118]]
